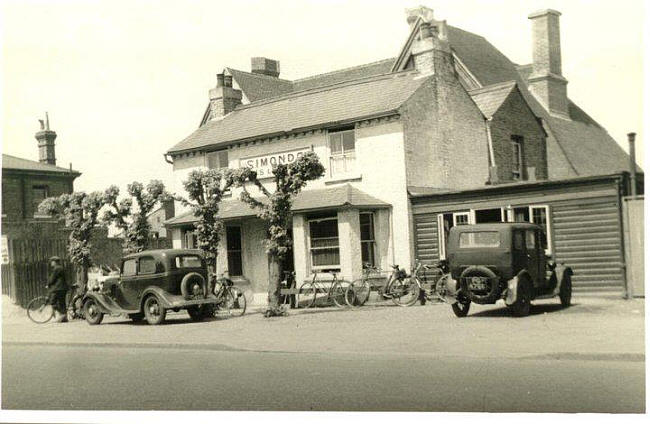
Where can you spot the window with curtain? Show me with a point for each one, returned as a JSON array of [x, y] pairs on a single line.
[[324, 243]]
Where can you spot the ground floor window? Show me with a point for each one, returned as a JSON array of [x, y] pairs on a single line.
[[445, 222], [189, 240], [233, 247], [324, 243], [367, 233]]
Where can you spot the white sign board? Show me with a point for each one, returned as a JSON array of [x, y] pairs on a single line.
[[264, 164], [5, 250]]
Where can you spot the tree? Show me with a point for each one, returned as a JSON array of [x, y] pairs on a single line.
[[132, 222], [275, 211], [205, 190], [80, 212]]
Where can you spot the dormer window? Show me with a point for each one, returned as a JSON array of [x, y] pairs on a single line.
[[342, 154]]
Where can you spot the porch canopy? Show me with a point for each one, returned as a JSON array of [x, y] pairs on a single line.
[[329, 198]]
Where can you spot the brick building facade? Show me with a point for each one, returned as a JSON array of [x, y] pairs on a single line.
[[450, 113]]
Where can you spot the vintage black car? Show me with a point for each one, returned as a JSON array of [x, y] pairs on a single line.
[[151, 283], [489, 262]]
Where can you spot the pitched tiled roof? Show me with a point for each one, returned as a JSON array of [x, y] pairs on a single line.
[[259, 87], [342, 75], [13, 162], [489, 99], [307, 109], [334, 197]]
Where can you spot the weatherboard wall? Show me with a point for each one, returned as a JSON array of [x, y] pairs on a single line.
[[586, 225]]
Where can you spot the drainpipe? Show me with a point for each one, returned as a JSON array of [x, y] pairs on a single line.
[[630, 138], [492, 174]]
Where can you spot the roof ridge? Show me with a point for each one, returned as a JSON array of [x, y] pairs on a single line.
[[300, 93], [263, 76], [342, 70], [493, 87]]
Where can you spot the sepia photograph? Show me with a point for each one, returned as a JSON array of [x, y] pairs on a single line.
[[310, 207]]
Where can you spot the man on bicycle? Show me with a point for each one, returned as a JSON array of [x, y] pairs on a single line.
[[57, 288]]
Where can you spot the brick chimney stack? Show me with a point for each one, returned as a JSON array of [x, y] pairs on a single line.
[[264, 66], [430, 50], [224, 98], [546, 81], [45, 138]]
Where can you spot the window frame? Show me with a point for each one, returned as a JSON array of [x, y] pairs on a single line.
[[218, 153], [138, 267], [46, 189], [311, 249], [346, 155], [239, 252], [372, 242], [468, 214], [135, 269], [517, 172], [547, 212]]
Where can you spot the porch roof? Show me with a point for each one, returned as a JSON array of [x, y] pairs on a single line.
[[327, 198]]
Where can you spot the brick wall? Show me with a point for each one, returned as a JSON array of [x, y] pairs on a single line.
[[446, 142], [17, 192], [514, 117]]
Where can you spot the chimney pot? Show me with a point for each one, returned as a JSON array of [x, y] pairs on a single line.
[[227, 80], [45, 138], [220, 80]]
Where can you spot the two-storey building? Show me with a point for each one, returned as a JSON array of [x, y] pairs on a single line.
[[449, 113]]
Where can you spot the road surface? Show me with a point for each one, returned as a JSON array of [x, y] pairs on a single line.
[[214, 377]]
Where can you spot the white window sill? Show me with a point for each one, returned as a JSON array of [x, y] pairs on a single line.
[[342, 178]]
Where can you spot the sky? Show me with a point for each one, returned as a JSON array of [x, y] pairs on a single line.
[[123, 81]]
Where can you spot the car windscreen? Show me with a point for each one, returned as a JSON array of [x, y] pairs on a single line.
[[188, 261], [479, 239]]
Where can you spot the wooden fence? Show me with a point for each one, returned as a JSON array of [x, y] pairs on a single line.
[[24, 277]]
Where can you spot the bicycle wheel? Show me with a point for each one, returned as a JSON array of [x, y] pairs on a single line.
[[307, 295], [39, 310], [357, 293], [236, 301], [404, 292], [337, 293]]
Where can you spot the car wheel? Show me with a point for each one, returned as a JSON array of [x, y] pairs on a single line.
[[461, 308], [196, 313], [566, 288], [93, 315], [521, 307], [136, 317], [154, 312]]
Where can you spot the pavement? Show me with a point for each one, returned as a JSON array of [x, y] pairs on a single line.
[[592, 327], [586, 358]]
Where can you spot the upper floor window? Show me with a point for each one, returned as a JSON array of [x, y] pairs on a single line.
[[218, 159], [342, 154], [517, 157], [39, 193]]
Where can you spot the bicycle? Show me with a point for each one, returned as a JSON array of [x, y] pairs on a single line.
[[358, 292], [232, 301], [310, 290], [436, 291], [40, 309]]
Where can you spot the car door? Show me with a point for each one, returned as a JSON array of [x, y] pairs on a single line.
[[519, 259], [126, 293], [532, 257]]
